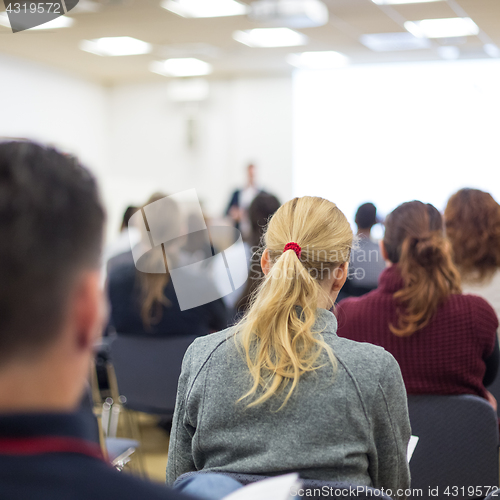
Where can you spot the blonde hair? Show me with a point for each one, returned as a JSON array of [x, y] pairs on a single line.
[[276, 333]]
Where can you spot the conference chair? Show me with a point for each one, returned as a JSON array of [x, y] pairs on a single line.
[[146, 371], [494, 388], [457, 451], [143, 373], [117, 450]]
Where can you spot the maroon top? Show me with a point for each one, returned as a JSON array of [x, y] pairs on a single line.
[[445, 357]]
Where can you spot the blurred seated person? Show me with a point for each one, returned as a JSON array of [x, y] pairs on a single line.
[[280, 391], [146, 303], [445, 342], [366, 262], [260, 212], [119, 250], [196, 248], [241, 199], [472, 219], [51, 229]]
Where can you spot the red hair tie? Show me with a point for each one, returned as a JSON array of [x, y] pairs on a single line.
[[293, 246]]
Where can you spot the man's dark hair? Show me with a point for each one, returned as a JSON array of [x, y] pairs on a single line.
[[260, 211], [366, 216], [129, 211], [51, 227]]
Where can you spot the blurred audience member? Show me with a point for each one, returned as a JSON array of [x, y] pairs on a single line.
[[241, 200], [281, 391], [196, 247], [472, 219], [444, 342], [366, 262], [235, 262], [146, 303], [51, 229], [260, 212], [128, 237]]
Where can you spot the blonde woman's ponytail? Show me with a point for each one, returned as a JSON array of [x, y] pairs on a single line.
[[277, 332]]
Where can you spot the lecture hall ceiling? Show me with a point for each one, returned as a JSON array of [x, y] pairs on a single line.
[[210, 39]]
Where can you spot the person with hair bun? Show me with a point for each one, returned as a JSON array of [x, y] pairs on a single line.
[[472, 219], [444, 341], [280, 391]]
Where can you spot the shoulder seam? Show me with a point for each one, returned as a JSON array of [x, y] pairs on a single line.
[[392, 427], [356, 385], [196, 442], [202, 366]]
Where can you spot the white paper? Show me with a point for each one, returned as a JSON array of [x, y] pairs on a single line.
[[274, 488], [411, 446]]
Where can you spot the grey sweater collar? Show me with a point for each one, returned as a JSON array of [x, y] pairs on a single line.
[[326, 322]]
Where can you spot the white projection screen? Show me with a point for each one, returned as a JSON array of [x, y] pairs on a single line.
[[395, 133]]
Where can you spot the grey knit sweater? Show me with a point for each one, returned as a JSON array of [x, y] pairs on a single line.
[[350, 427]]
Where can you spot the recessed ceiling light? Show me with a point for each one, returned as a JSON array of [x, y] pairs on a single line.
[[205, 8], [491, 49], [270, 37], [116, 46], [400, 2], [443, 28], [4, 20], [85, 6], [389, 42], [289, 13], [182, 66], [58, 22], [188, 90], [327, 59]]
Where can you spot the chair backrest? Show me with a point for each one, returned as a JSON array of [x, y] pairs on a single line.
[[494, 388], [457, 447], [311, 488], [147, 370]]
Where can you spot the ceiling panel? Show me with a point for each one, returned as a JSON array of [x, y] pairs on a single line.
[[432, 10], [211, 39]]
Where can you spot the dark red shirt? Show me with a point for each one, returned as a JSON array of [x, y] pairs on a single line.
[[447, 356]]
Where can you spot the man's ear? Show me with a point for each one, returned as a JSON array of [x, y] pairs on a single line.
[[88, 310], [265, 262], [340, 276]]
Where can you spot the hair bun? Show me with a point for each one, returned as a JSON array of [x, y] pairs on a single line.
[[427, 249]]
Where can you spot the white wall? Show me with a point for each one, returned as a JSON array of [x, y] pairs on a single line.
[[359, 132], [241, 121], [50, 106], [135, 139], [397, 132]]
